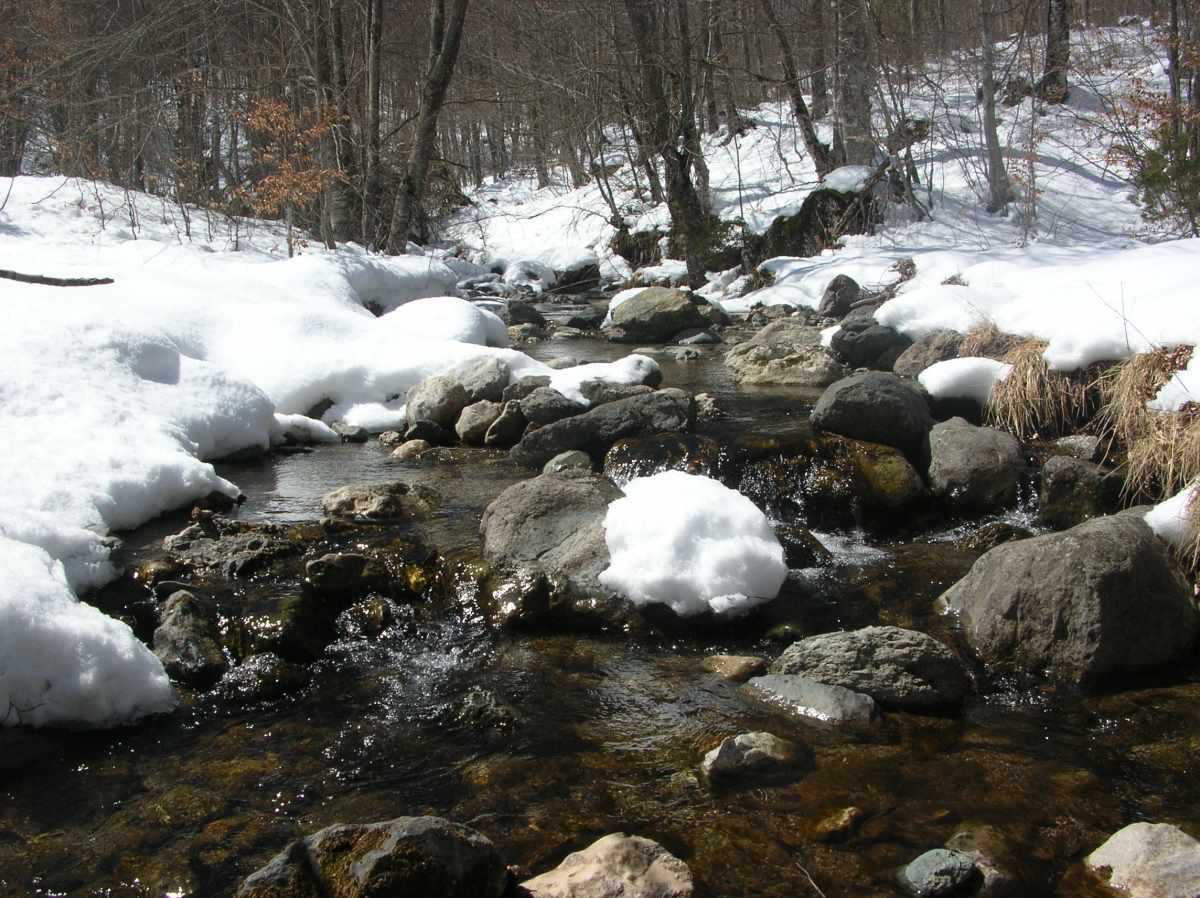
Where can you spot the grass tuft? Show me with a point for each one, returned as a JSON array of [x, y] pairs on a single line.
[[1034, 401]]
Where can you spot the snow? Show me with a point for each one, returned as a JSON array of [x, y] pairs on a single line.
[[633, 369], [530, 274], [1171, 521], [448, 318], [848, 178], [965, 378], [669, 271], [693, 544], [1181, 389]]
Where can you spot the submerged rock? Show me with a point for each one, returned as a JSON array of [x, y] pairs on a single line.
[[616, 865], [738, 668], [785, 352], [262, 677], [1099, 599]]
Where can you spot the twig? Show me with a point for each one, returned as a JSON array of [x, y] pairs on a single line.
[[53, 282], [808, 876]]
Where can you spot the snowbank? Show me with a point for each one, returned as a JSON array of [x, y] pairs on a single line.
[[966, 378], [1171, 521], [693, 544]]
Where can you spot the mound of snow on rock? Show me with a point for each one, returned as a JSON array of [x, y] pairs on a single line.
[[692, 544], [1171, 519], [966, 378]]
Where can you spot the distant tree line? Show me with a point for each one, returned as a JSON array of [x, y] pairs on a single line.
[[365, 119]]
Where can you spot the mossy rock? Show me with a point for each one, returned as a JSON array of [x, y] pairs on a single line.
[[815, 227]]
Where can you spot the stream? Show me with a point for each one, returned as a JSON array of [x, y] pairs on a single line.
[[546, 741]]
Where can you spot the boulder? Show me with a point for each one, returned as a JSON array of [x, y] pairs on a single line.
[[383, 501], [1149, 860], [866, 344], [658, 412], [879, 480], [808, 701], [475, 421], [938, 346], [230, 548], [878, 408], [1099, 599], [938, 874], [586, 319], [425, 856], [188, 641], [737, 668], [440, 399], [345, 576], [598, 392], [973, 468], [429, 432], [546, 405], [785, 352], [841, 294], [1083, 446], [350, 433], [523, 387], [568, 461], [659, 313], [757, 755], [643, 456], [616, 865], [898, 668], [1074, 490], [524, 313], [508, 427]]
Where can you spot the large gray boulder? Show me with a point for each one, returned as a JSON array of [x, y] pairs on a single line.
[[876, 407], [546, 405], [188, 641], [868, 344], [554, 525], [475, 421], [1149, 860], [973, 468], [664, 411], [898, 668], [1099, 599], [441, 399], [938, 346], [659, 313], [1074, 490], [616, 865], [425, 856], [785, 352]]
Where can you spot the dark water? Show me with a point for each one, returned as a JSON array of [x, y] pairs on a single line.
[[594, 735]]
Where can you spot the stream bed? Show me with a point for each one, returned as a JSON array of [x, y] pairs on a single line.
[[546, 741]]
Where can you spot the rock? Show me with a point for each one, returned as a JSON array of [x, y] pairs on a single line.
[[938, 873], [429, 432], [598, 392], [507, 429], [866, 344], [686, 354], [973, 468], [546, 405], [260, 678], [661, 411], [568, 461], [411, 449], [811, 702], [616, 865], [390, 439], [698, 338], [707, 408], [345, 576], [898, 668], [231, 548], [524, 313], [938, 346], [1149, 860], [825, 217], [441, 399], [519, 334], [475, 421], [586, 319], [1081, 446], [996, 533], [643, 456], [800, 548], [738, 668], [350, 433], [483, 710], [1074, 491], [758, 755], [839, 825], [523, 387], [552, 524], [842, 293], [998, 860], [657, 314], [562, 362], [878, 408], [188, 642], [1099, 599], [785, 352], [384, 501], [425, 856], [876, 478]]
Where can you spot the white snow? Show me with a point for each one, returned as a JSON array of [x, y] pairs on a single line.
[[668, 271], [448, 318], [1181, 389], [531, 274], [965, 378], [848, 178], [691, 543], [633, 369], [1170, 519]]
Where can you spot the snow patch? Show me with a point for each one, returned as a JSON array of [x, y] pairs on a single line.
[[965, 378]]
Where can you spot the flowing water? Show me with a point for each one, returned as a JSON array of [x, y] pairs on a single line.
[[546, 742]]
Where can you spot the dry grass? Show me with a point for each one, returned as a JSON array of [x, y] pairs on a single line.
[[1034, 401], [987, 341]]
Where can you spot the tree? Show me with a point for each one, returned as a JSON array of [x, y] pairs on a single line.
[[791, 78], [997, 176], [1053, 87], [854, 141]]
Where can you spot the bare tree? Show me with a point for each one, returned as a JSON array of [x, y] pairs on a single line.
[[1053, 88], [997, 176]]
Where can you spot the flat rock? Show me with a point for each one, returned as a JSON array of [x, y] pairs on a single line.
[[808, 701], [785, 352], [616, 866], [385, 501]]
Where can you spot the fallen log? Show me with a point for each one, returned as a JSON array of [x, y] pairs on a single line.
[[53, 282]]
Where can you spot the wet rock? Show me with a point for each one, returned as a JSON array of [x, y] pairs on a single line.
[[484, 711], [997, 859], [736, 668], [878, 408], [707, 408], [523, 387], [350, 433], [878, 479], [1099, 599], [568, 461], [938, 873], [841, 294], [898, 668], [808, 701], [628, 866], [755, 755], [188, 642], [385, 501], [260, 678], [232, 549], [159, 570], [800, 548], [429, 432], [390, 439], [698, 338], [425, 856], [506, 429], [994, 534], [1074, 491], [1149, 860], [973, 468], [546, 405], [643, 456], [411, 449], [686, 354], [598, 392], [586, 319], [346, 576], [661, 411], [473, 424], [839, 825], [657, 314], [525, 313], [562, 362], [865, 344], [1081, 446], [440, 399], [785, 352], [938, 346]]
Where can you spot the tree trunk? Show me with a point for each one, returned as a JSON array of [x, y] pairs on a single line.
[[372, 182], [855, 83], [1053, 88], [817, 61], [791, 77], [445, 38], [997, 177]]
